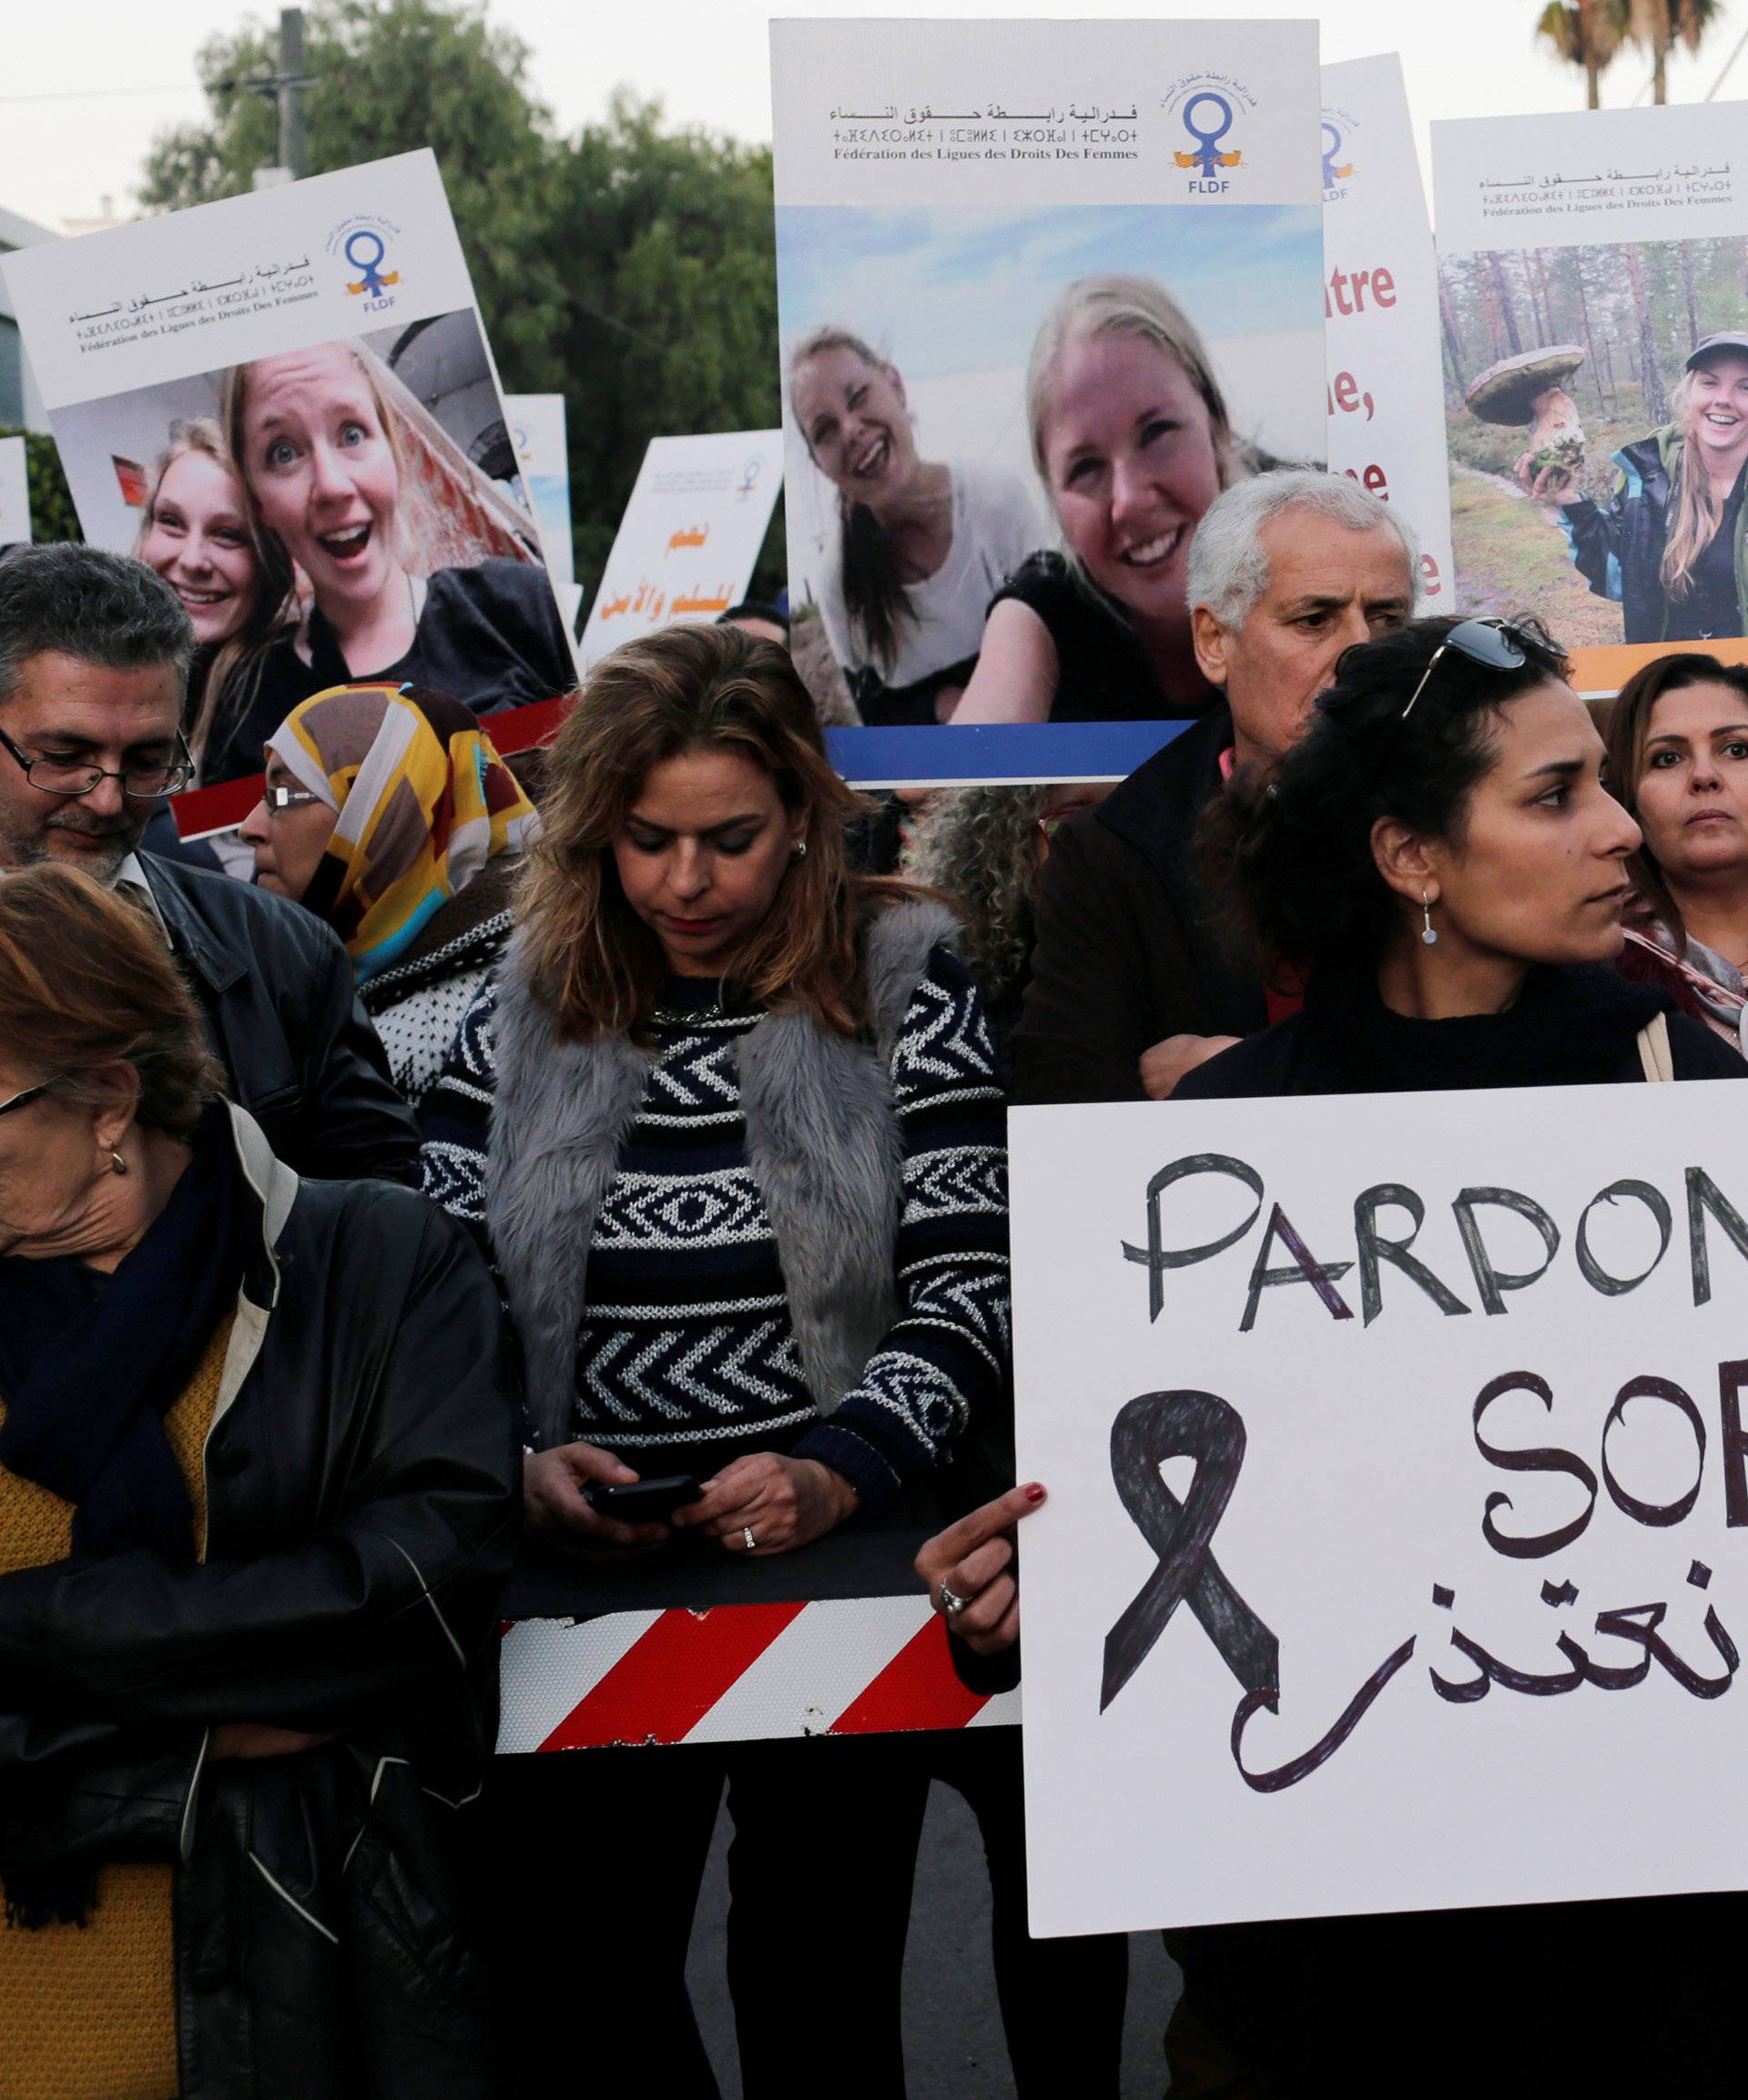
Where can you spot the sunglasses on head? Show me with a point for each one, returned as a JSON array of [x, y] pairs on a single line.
[[1496, 644]]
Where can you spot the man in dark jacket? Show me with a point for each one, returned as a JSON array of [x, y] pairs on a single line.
[[94, 652], [1130, 988]]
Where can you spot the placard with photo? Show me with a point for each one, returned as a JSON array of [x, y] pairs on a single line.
[[1044, 288], [286, 404], [1594, 304]]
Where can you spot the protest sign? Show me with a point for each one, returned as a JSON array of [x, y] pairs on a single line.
[[284, 404], [542, 459], [15, 491], [1381, 311], [1583, 260], [940, 186], [688, 544], [1395, 1555]]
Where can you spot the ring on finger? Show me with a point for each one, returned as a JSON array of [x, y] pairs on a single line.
[[746, 1533], [950, 1604]]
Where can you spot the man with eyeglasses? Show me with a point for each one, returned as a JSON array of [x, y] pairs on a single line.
[[1131, 984], [94, 652]]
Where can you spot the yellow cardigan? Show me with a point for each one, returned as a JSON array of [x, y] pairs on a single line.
[[89, 2011]]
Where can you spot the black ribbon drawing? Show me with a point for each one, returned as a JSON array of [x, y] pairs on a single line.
[[1146, 1433]]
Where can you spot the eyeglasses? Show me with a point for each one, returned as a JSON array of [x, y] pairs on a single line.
[[74, 776], [280, 799], [29, 1094], [1494, 643]]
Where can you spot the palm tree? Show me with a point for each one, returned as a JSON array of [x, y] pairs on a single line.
[[1586, 33], [1654, 25]]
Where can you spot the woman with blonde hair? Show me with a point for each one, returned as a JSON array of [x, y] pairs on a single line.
[[416, 569], [920, 544], [1131, 440], [197, 532], [728, 1127], [1670, 546]]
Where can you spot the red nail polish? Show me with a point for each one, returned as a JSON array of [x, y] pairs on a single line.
[[1034, 1491]]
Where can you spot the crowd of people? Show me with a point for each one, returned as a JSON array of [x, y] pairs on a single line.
[[604, 1164]]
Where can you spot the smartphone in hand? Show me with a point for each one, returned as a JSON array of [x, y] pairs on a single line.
[[642, 1501]]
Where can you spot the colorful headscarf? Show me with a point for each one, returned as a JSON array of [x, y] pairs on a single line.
[[422, 802]]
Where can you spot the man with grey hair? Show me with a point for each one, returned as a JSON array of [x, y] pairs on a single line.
[[94, 652], [1130, 988]]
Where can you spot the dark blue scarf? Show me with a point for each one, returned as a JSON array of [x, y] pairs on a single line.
[[89, 1366]]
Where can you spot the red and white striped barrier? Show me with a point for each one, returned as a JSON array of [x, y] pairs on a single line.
[[859, 1666]]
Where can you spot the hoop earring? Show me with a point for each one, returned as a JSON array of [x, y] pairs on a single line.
[[1426, 935], [118, 1165], [800, 849]]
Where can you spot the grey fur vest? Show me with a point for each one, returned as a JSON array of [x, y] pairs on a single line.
[[823, 1144]]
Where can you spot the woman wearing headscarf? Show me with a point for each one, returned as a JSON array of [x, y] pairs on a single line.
[[389, 813], [256, 1505]]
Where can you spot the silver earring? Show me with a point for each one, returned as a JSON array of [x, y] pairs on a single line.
[[1426, 934], [800, 849], [118, 1165]]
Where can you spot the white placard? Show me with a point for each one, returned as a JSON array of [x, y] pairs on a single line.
[[1610, 242], [1468, 1629], [537, 433], [939, 185], [15, 491], [688, 544], [134, 335], [1381, 309]]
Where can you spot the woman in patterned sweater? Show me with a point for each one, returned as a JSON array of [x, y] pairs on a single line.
[[727, 1125]]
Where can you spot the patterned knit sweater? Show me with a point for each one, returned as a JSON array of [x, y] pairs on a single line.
[[687, 1355]]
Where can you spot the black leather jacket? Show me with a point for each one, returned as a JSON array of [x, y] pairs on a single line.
[[276, 988], [363, 1476]]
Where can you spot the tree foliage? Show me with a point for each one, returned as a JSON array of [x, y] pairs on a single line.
[[52, 515], [630, 268]]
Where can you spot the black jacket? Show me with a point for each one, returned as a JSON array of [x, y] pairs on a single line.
[[1126, 952], [1573, 1026], [276, 988], [1618, 548], [361, 1477]]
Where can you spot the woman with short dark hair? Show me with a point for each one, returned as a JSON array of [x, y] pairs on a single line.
[[256, 1468]]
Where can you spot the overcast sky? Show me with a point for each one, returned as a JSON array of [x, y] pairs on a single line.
[[86, 83]]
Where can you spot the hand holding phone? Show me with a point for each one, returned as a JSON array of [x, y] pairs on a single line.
[[642, 1501], [556, 1486]]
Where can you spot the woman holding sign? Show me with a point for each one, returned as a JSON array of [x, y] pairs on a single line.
[[727, 1125], [1442, 858], [1131, 441], [326, 448], [1669, 543]]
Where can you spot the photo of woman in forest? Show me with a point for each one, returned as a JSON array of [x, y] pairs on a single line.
[[1597, 407]]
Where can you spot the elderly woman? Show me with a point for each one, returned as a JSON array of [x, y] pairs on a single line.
[[388, 812], [727, 1123], [256, 1501]]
